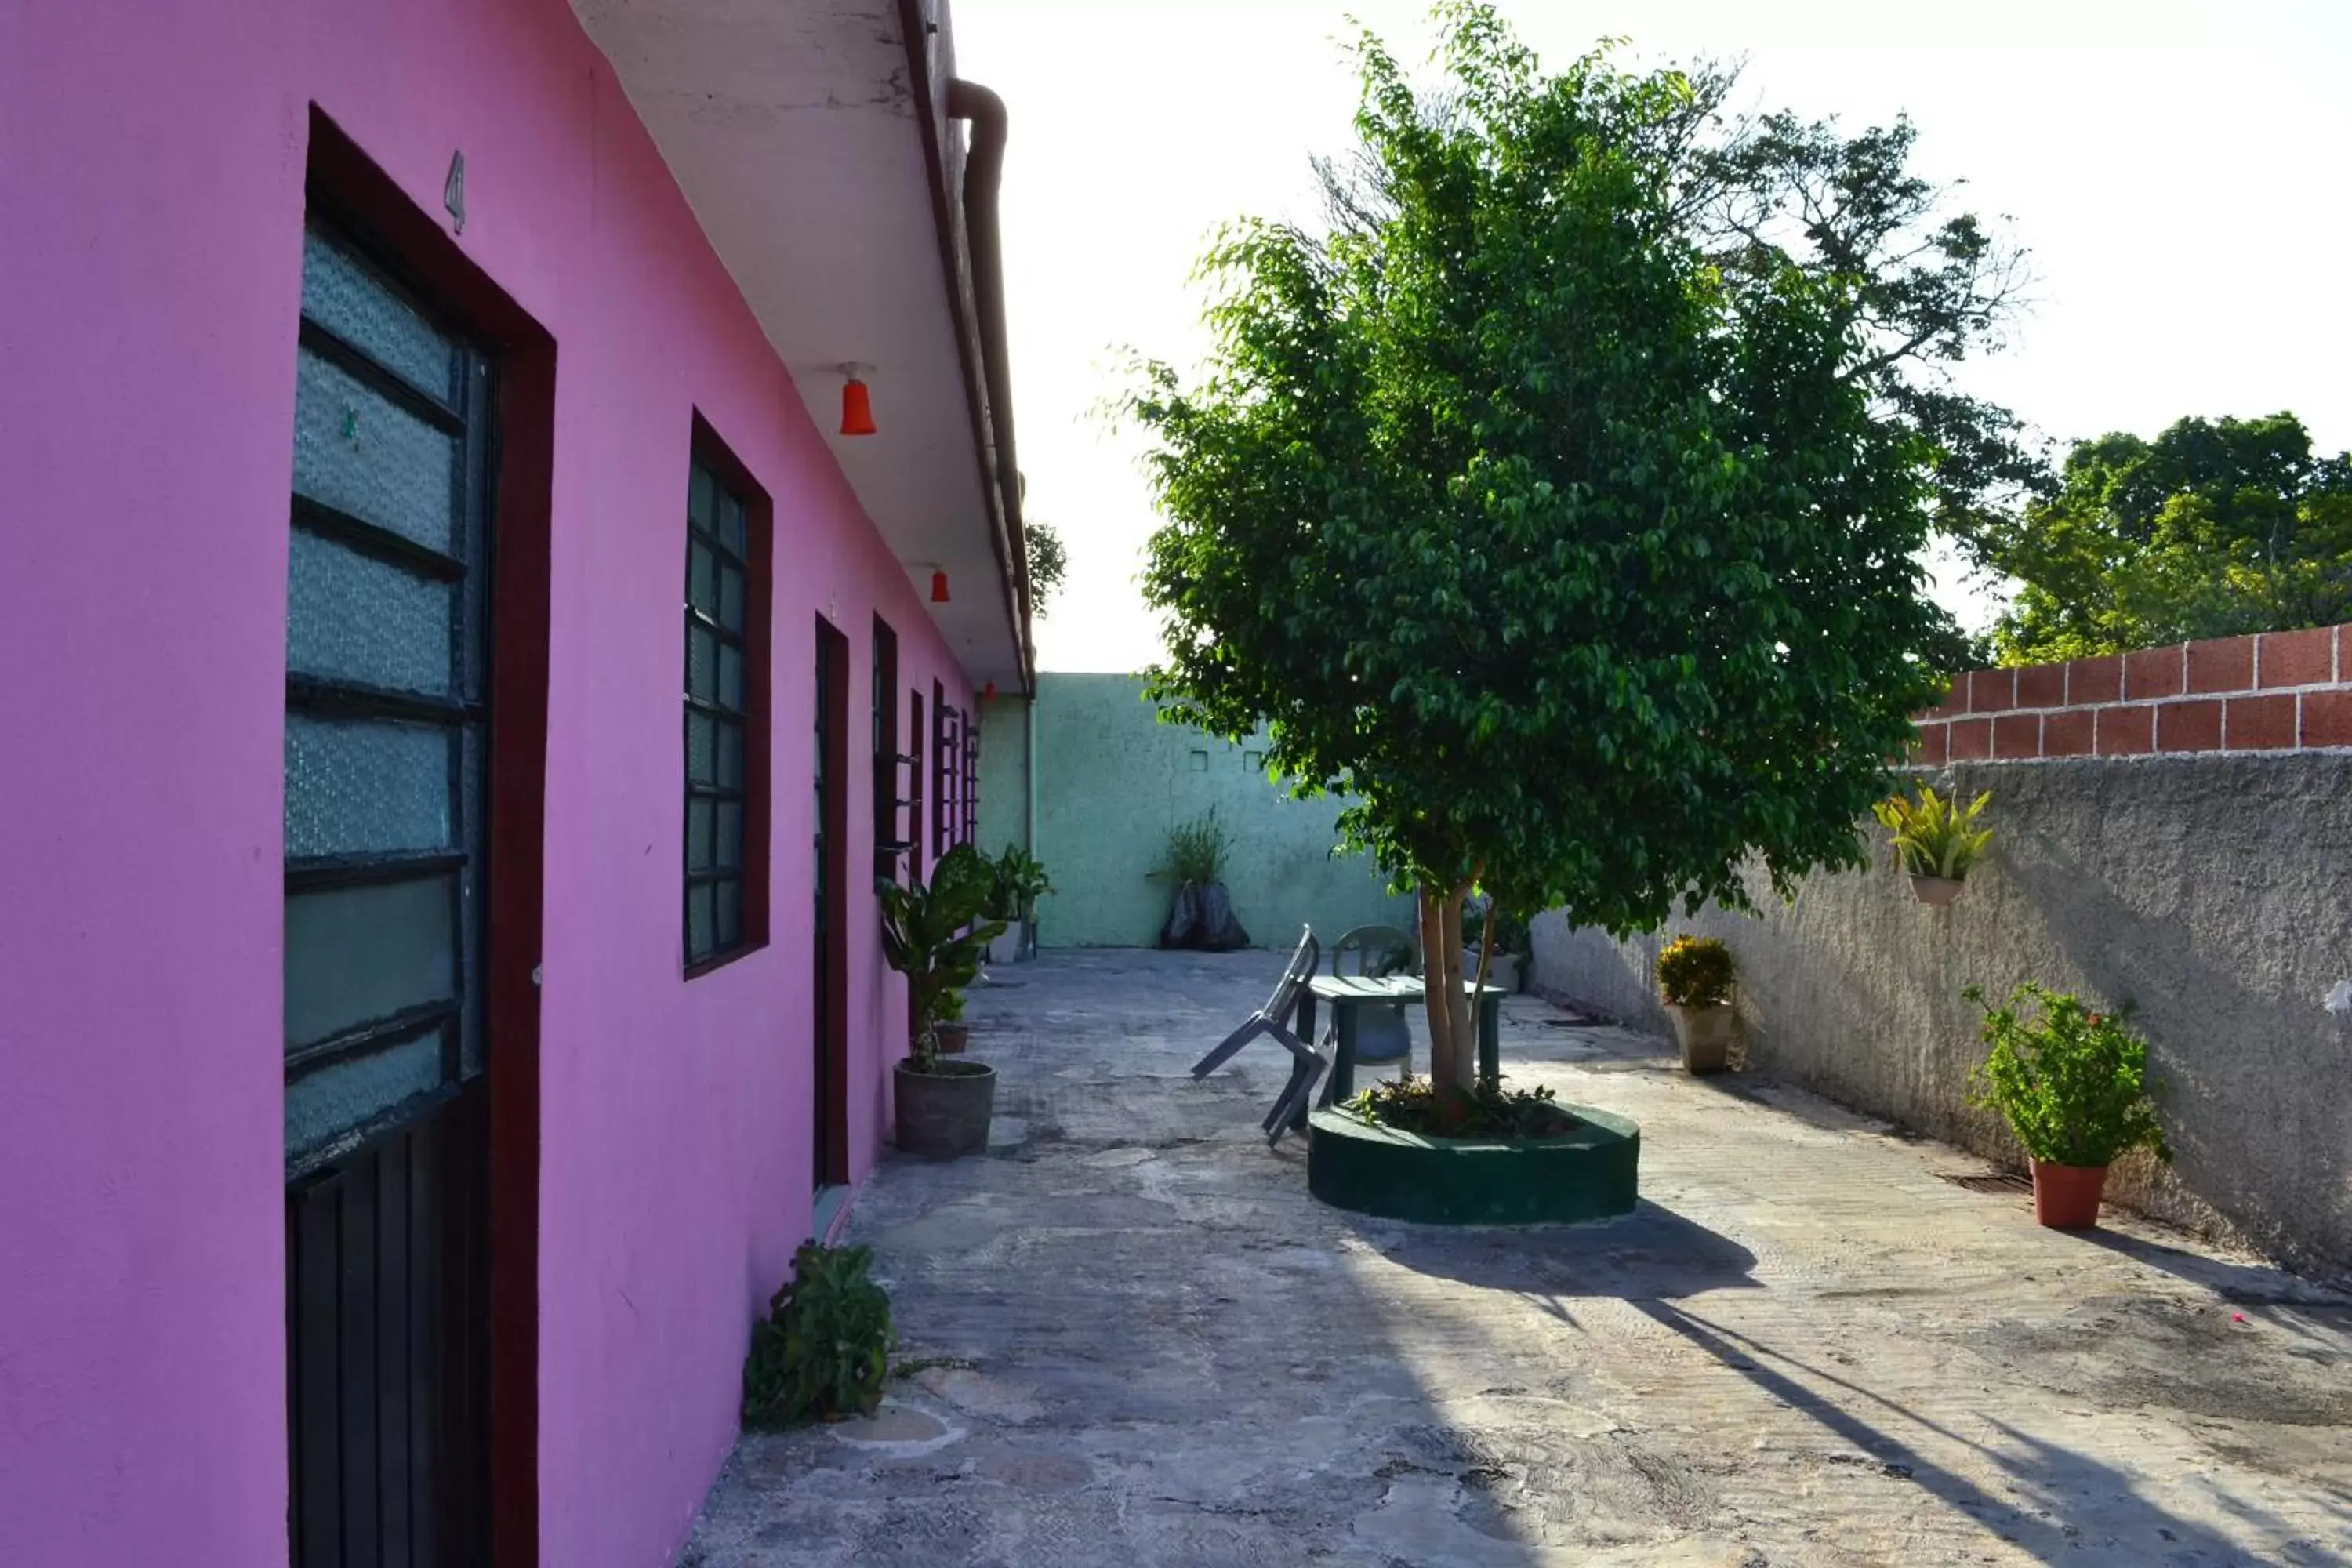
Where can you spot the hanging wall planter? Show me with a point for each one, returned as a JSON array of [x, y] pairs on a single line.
[[1936, 841], [1936, 891]]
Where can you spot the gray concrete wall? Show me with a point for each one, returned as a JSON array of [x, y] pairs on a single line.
[[2214, 893], [1112, 780]]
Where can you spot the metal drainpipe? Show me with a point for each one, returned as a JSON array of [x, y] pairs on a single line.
[[983, 171]]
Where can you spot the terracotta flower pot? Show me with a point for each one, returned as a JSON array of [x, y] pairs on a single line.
[[1936, 891], [1705, 1036], [952, 1038], [2066, 1197]]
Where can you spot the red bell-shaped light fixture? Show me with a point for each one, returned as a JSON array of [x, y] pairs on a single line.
[[856, 403], [938, 586]]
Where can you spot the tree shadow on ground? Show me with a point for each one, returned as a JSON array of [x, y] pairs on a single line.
[[2047, 1481], [1651, 1253]]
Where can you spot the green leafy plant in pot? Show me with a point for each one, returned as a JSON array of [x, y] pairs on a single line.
[[1019, 882], [2072, 1084], [936, 936], [1935, 840], [1695, 975]]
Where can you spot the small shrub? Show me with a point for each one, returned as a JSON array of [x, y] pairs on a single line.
[[1934, 837], [823, 1351], [1196, 852], [1485, 1110], [2072, 1083], [1695, 972]]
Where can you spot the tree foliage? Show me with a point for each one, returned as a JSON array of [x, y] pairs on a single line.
[[2214, 528], [1559, 498], [1049, 564]]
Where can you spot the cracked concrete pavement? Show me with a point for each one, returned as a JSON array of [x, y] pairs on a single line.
[[1152, 1347]]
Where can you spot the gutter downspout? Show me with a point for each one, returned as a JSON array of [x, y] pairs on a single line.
[[984, 174]]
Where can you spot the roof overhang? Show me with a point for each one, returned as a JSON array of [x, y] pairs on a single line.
[[813, 144]]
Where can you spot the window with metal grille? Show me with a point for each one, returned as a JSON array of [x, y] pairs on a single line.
[[971, 776], [725, 601]]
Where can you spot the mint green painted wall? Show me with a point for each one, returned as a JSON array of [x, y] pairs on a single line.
[[1111, 780], [1003, 773]]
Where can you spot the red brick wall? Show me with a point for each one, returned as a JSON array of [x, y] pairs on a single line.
[[2278, 692]]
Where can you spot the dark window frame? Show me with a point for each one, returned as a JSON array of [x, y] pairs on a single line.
[[749, 719]]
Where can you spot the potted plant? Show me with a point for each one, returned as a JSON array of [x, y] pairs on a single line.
[[1695, 980], [1200, 915], [2074, 1086], [935, 935], [1019, 882], [1935, 840], [1506, 968]]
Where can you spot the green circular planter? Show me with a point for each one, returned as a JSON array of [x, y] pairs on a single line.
[[1587, 1174]]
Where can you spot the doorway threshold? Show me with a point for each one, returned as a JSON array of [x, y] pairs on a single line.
[[832, 1206]]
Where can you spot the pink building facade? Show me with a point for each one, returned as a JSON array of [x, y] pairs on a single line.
[[674, 231]]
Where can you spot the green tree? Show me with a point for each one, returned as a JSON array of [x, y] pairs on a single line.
[[2214, 528], [1560, 498], [1049, 563]]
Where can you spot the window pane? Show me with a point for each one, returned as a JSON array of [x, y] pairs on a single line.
[[341, 296], [730, 676], [730, 835], [699, 505], [702, 579], [730, 755], [701, 920], [356, 787], [343, 1095], [700, 814], [730, 913], [350, 617], [700, 768], [701, 663], [354, 955], [358, 452], [730, 599], [731, 522]]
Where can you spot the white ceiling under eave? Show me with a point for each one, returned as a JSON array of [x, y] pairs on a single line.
[[795, 133]]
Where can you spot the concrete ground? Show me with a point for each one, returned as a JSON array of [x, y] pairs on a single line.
[[1150, 1346]]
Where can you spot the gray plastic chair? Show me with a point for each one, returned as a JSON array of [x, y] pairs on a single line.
[[1383, 1034], [1307, 1064]]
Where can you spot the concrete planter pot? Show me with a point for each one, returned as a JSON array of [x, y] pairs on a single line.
[[2066, 1197], [1705, 1036], [944, 1114], [953, 1038], [1502, 971], [1936, 891], [1590, 1173], [1013, 946]]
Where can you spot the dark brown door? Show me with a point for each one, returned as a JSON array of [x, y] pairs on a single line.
[[386, 1124], [829, 1034]]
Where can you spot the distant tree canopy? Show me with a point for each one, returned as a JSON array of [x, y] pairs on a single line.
[[1049, 564], [2215, 528], [1560, 497]]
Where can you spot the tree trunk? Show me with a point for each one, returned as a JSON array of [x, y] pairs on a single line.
[[1453, 1042], [1433, 975], [1462, 1070]]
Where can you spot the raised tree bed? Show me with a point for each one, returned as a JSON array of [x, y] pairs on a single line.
[[1586, 1172]]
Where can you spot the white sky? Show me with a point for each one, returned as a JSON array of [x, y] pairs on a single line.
[[2177, 169]]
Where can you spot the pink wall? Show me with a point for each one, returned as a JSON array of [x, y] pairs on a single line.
[[152, 159]]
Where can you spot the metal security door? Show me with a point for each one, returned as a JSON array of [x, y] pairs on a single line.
[[387, 1126]]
